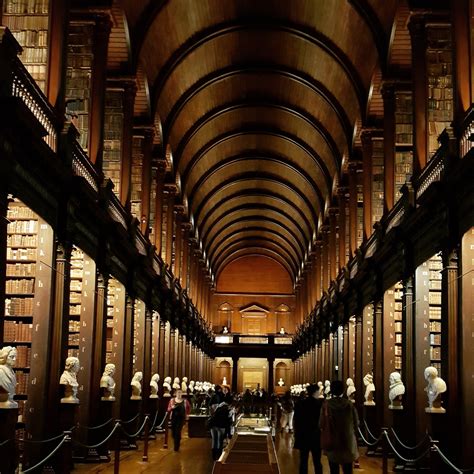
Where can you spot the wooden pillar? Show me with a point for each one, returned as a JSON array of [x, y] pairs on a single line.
[[179, 358], [185, 266], [159, 218], [317, 269], [451, 350], [127, 365], [461, 14], [103, 26], [325, 259], [388, 94], [169, 227], [146, 181], [353, 169], [130, 90], [408, 360], [366, 138], [359, 361], [341, 193], [416, 26], [345, 353], [332, 243], [162, 349], [147, 356], [178, 242], [378, 361], [57, 34]]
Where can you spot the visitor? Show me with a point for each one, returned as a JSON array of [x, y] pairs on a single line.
[[307, 432], [219, 425], [179, 409], [287, 407], [344, 419]]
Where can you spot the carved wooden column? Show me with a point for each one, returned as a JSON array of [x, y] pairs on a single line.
[[451, 349], [179, 358], [317, 269], [388, 94], [146, 180], [162, 349], [359, 361], [366, 138], [379, 361], [353, 170], [333, 250], [103, 26], [147, 356], [325, 258], [179, 210], [129, 93], [172, 353], [159, 218], [341, 193], [345, 353], [127, 365]]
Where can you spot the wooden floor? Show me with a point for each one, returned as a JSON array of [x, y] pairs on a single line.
[[195, 458]]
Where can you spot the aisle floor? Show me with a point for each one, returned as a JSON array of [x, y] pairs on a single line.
[[195, 458]]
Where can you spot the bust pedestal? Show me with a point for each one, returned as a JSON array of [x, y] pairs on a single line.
[[162, 407], [8, 419], [106, 408], [152, 408], [397, 413], [370, 415]]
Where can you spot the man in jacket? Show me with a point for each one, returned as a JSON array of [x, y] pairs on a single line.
[[307, 432]]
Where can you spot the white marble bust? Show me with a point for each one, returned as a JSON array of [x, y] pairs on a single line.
[[351, 390], [176, 384], [327, 388], [167, 387], [321, 389], [191, 386], [154, 386], [184, 385], [281, 382], [224, 381], [396, 391], [136, 386], [7, 377], [107, 383], [436, 386], [369, 390], [69, 380]]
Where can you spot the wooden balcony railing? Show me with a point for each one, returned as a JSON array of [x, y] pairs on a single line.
[[466, 142], [81, 165]]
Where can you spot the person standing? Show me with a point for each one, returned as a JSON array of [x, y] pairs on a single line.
[[180, 410], [307, 432], [219, 425], [344, 419], [287, 407]]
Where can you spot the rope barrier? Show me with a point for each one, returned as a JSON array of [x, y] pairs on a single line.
[[49, 456], [368, 443], [153, 425], [133, 419], [414, 461], [162, 421], [3, 443], [450, 464], [139, 430], [368, 430], [96, 427], [410, 448], [93, 446], [44, 441]]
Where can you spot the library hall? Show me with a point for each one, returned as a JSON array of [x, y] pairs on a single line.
[[236, 236]]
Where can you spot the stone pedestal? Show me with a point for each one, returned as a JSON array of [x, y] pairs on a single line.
[[106, 409], [153, 406], [8, 452], [397, 413]]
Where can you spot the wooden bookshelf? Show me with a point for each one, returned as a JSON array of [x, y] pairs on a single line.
[[79, 77], [398, 325], [137, 177], [435, 267], [360, 214], [28, 271], [403, 139], [28, 20], [138, 336], [439, 61], [377, 179], [113, 133]]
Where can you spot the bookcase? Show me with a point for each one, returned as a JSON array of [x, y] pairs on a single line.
[[360, 214], [28, 278], [136, 178], [75, 299], [151, 225], [113, 133], [377, 179], [79, 77], [398, 325], [439, 62], [435, 267], [403, 139], [28, 20], [138, 336]]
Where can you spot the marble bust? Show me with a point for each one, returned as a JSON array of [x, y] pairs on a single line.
[[191, 386], [136, 386], [176, 384], [107, 383], [396, 391], [351, 390], [321, 389], [327, 388], [281, 382], [184, 385], [154, 386], [369, 390], [167, 387], [7, 377], [224, 381], [436, 387], [69, 380]]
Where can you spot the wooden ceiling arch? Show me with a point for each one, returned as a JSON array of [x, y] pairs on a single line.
[[258, 102]]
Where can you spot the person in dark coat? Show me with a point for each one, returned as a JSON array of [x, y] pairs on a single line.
[[307, 432], [345, 421]]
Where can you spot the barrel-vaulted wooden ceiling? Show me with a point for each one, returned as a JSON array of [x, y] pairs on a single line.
[[258, 100]]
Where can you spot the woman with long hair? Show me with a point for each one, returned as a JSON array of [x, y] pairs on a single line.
[[180, 410]]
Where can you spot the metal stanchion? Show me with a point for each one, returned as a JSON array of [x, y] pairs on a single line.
[[66, 453], [147, 433], [384, 452], [117, 451]]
